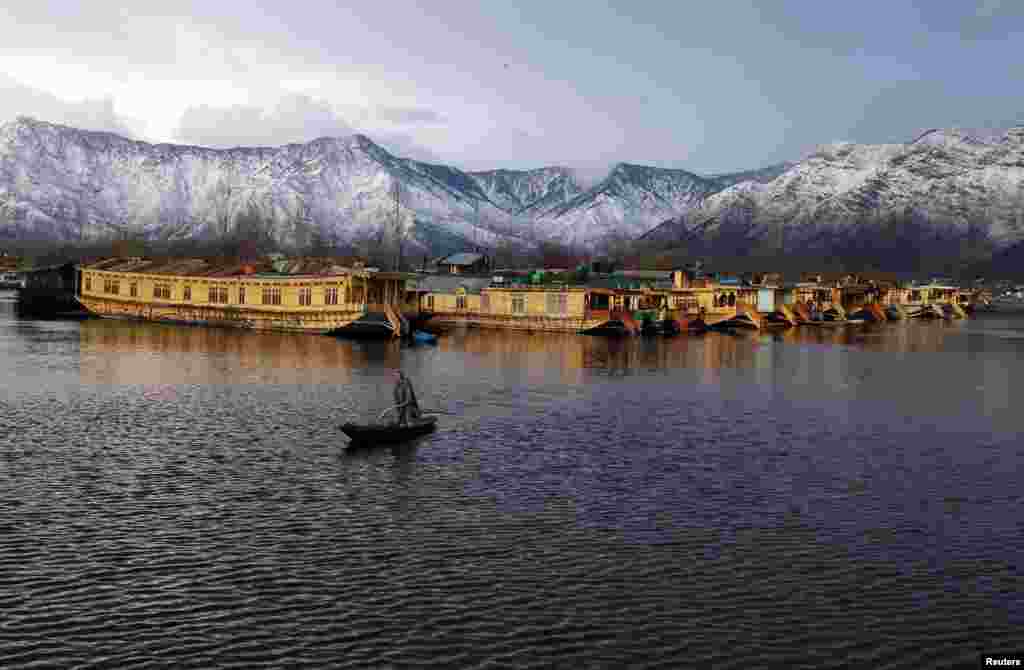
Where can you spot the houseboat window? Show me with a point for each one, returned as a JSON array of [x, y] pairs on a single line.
[[111, 286], [162, 291], [557, 303], [430, 302], [685, 303], [218, 294], [133, 289], [330, 296], [485, 302], [915, 296], [305, 296], [88, 283], [519, 304], [241, 295], [822, 296], [732, 300], [460, 302], [272, 296]]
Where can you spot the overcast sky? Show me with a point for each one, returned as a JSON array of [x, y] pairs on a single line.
[[704, 86]]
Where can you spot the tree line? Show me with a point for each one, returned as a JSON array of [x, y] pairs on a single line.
[[901, 242]]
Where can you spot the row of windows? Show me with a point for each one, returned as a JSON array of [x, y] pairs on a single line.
[[557, 304], [220, 295]]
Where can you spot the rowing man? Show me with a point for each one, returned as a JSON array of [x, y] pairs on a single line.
[[406, 406]]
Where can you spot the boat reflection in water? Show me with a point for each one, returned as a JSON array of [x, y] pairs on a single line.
[[126, 352]]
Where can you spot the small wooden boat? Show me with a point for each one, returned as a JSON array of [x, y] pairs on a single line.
[[388, 433], [894, 313], [740, 321], [423, 337]]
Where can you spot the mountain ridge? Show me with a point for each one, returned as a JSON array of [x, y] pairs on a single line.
[[59, 182]]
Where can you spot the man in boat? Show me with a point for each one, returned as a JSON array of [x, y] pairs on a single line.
[[406, 406]]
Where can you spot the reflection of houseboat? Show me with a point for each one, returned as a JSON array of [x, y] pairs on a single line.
[[307, 295]]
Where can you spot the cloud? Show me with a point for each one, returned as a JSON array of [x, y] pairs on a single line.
[[986, 19], [404, 146], [894, 113], [16, 100], [294, 119], [408, 115]]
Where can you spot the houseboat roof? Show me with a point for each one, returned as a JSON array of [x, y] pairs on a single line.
[[627, 283], [450, 283], [463, 258], [650, 275], [199, 267]]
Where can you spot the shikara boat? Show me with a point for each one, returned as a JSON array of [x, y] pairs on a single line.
[[740, 321], [388, 433], [423, 337]]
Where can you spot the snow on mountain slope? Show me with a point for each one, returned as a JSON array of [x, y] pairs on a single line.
[[629, 201], [955, 180], [528, 192], [60, 182]]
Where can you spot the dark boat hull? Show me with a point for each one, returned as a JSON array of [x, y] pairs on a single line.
[[387, 433]]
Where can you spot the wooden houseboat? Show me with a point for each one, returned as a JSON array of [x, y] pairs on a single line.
[[12, 280], [306, 295], [485, 303], [930, 301], [50, 292]]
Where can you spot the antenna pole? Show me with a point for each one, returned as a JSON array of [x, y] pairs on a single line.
[[398, 225]]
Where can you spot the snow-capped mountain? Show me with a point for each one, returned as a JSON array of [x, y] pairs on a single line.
[[63, 183], [58, 182], [949, 184], [628, 202], [528, 192]]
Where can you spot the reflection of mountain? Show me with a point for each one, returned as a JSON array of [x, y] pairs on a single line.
[[114, 352]]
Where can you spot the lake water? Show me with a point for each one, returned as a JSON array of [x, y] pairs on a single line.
[[181, 497]]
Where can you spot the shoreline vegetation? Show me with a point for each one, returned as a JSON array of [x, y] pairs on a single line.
[[622, 255], [902, 244]]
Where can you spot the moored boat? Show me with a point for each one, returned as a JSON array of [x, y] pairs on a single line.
[[12, 280], [739, 322], [423, 337], [895, 313], [926, 312]]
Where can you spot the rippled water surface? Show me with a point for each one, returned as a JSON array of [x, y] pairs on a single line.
[[182, 497]]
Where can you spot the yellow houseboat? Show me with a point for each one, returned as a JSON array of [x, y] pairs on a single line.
[[446, 300], [306, 295], [931, 301]]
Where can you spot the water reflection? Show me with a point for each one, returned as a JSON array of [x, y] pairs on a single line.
[[122, 352]]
